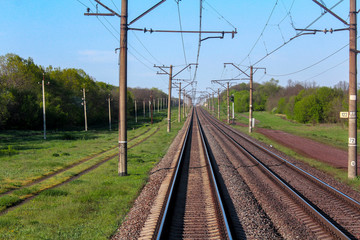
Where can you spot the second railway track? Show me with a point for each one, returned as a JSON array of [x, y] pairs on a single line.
[[327, 212]]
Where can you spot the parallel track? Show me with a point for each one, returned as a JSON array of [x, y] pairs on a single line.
[[328, 212]]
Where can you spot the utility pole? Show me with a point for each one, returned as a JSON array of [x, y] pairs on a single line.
[[135, 112], [251, 90], [251, 101], [219, 103], [84, 104], [352, 145], [213, 99], [353, 51], [151, 108], [169, 99], [43, 96], [171, 76], [184, 103], [144, 108], [179, 110], [122, 167], [228, 102], [233, 108], [109, 99]]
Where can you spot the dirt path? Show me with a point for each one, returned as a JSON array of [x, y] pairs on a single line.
[[309, 148]]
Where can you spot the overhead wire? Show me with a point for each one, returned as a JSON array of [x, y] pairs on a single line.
[[182, 36], [262, 32], [221, 16], [327, 70], [118, 40], [310, 66], [146, 49], [199, 44], [116, 6], [297, 35]]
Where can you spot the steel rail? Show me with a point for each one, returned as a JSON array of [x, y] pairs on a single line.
[[310, 176], [304, 202], [176, 179], [214, 179]]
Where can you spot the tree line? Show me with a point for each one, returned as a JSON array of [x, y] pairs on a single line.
[[21, 96], [302, 102]]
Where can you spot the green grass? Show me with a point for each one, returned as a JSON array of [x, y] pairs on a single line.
[[25, 156], [92, 206]]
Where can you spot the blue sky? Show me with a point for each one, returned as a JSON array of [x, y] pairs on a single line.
[[56, 32]]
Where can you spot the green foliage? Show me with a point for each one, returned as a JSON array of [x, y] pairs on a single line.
[[307, 110], [21, 96]]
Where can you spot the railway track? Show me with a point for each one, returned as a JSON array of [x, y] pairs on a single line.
[[325, 211], [82, 167], [190, 205]]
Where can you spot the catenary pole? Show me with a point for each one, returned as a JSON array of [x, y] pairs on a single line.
[[219, 103], [144, 108], [135, 111], [251, 100], [228, 102], [109, 113], [43, 95], [122, 168], [84, 103], [169, 100], [179, 110], [352, 144]]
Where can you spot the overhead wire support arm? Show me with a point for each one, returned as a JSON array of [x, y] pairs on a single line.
[[99, 14], [184, 69], [331, 12], [109, 9], [177, 31], [146, 12]]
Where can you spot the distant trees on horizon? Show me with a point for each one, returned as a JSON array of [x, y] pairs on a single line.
[[21, 96]]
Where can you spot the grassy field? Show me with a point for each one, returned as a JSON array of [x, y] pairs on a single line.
[[93, 205], [332, 134]]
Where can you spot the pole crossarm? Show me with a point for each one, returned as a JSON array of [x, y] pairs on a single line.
[[145, 30], [99, 14], [211, 89], [113, 13], [236, 68], [162, 69], [331, 12], [189, 65], [146, 12], [188, 85]]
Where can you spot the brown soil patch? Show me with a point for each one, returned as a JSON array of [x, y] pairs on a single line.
[[309, 148]]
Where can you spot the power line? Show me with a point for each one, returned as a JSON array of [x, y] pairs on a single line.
[[118, 40], [297, 35], [327, 70], [115, 6], [199, 45], [137, 38], [221, 16], [82, 3], [312, 65], [262, 32], [152, 69], [182, 36]]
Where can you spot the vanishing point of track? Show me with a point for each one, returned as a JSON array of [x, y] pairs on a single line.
[[192, 206]]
